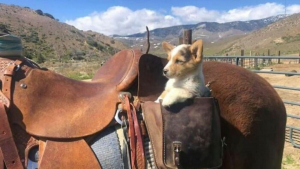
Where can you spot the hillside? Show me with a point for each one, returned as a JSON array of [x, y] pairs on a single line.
[[45, 38], [283, 35]]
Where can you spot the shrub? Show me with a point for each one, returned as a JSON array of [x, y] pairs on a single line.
[[4, 28], [40, 59], [49, 15], [100, 47], [92, 43], [78, 58], [40, 12]]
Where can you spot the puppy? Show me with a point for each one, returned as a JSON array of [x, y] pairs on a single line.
[[184, 71]]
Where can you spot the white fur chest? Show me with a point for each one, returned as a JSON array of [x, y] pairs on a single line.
[[191, 84]]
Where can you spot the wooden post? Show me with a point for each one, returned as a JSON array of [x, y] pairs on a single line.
[[299, 59], [180, 40], [279, 55], [187, 36], [250, 63], [255, 63], [242, 59], [269, 60]]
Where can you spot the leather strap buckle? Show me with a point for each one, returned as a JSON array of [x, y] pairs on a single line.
[[177, 150], [14, 67]]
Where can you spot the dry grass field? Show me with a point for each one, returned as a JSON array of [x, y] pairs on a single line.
[[291, 159]]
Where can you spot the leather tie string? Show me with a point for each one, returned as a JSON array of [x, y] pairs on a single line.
[[140, 159], [131, 133]]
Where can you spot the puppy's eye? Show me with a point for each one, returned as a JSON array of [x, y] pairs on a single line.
[[179, 61]]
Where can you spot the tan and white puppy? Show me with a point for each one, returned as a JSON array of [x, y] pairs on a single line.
[[184, 71]]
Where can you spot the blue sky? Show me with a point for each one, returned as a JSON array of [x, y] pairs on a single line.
[[108, 16]]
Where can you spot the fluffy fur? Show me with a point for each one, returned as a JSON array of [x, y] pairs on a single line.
[[184, 71]]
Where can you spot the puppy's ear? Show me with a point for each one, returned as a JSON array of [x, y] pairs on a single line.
[[167, 47], [197, 50]]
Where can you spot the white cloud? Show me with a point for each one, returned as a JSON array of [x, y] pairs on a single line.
[[252, 12], [193, 14], [293, 9], [122, 20]]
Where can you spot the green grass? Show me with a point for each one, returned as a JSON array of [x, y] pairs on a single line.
[[288, 162]]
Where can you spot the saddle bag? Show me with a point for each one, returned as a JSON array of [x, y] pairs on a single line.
[[186, 135]]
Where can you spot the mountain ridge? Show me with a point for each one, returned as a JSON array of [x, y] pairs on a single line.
[[210, 26]]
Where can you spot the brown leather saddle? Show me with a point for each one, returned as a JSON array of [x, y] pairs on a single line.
[[73, 107], [53, 108], [61, 115]]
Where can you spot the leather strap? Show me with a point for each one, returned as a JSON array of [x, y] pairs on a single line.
[[31, 143], [7, 144], [1, 160], [4, 100], [6, 82], [131, 133], [140, 155]]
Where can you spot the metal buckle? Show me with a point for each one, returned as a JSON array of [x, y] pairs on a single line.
[[117, 116], [17, 67], [177, 150], [122, 96]]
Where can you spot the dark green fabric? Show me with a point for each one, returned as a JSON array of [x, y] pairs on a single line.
[[10, 43]]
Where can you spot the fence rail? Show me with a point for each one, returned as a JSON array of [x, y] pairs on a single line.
[[276, 72], [286, 87], [254, 62], [252, 57], [292, 129]]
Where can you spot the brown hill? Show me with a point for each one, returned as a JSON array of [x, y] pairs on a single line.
[[43, 37], [283, 35]]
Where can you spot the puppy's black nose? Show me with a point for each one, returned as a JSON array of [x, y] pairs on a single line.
[[165, 71]]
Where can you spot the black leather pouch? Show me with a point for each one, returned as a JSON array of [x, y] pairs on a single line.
[[191, 134], [186, 135]]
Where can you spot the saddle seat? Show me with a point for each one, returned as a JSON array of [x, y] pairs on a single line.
[[54, 106]]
